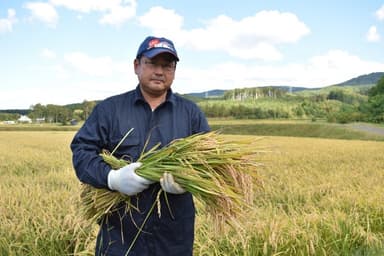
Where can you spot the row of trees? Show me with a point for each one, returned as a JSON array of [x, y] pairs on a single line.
[[254, 93], [370, 110], [61, 114], [337, 105]]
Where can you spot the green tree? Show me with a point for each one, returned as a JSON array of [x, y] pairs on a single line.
[[377, 89], [8, 116], [58, 114], [38, 111], [374, 108], [87, 108]]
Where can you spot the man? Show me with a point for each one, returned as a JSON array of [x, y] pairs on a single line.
[[156, 115]]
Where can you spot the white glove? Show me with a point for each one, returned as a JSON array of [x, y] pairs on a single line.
[[126, 181], [169, 185]]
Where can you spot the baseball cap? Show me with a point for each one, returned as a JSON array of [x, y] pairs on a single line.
[[153, 46]]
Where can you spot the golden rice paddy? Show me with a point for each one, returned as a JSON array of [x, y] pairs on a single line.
[[318, 197]]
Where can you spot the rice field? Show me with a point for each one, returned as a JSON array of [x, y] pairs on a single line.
[[318, 197]]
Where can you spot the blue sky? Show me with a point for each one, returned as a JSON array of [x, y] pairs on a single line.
[[67, 51]]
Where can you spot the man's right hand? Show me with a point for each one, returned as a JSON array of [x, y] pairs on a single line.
[[126, 181]]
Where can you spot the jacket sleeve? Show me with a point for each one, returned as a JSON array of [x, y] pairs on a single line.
[[86, 146], [200, 123]]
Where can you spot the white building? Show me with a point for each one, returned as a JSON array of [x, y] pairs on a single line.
[[9, 122], [24, 119]]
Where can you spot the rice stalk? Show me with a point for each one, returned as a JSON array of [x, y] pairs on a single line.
[[219, 173]]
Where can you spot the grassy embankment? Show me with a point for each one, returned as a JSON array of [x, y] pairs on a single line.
[[294, 128]]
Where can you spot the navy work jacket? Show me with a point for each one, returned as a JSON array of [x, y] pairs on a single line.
[[170, 233]]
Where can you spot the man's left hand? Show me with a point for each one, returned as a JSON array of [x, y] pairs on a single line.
[[169, 185]]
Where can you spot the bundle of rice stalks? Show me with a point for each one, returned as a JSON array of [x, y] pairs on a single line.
[[219, 173]]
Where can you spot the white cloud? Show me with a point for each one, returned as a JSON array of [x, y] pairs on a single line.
[[118, 15], [273, 26], [87, 6], [44, 12], [101, 66], [59, 95], [92, 66], [105, 77], [59, 84], [373, 35], [254, 37], [6, 25], [114, 12], [162, 21], [334, 66], [59, 72], [261, 50], [48, 54], [380, 13]]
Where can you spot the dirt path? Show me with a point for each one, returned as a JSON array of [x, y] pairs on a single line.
[[369, 128]]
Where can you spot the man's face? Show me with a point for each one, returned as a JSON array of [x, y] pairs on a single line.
[[155, 75]]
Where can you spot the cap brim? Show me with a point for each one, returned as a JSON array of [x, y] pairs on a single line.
[[153, 52]]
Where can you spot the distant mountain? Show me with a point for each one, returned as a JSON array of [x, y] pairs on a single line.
[[371, 78], [367, 79], [220, 93], [207, 94], [15, 111]]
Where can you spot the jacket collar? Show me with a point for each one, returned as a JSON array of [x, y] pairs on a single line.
[[139, 96]]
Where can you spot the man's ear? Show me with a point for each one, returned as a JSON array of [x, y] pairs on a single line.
[[136, 63]]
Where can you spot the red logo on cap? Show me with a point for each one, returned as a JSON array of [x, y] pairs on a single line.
[[153, 43]]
